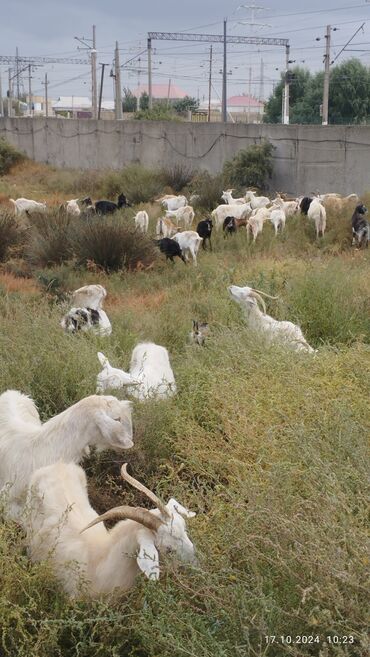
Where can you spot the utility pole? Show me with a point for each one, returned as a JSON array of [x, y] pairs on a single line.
[[46, 95], [224, 79], [1, 98], [150, 90], [262, 91], [249, 94], [286, 87], [325, 100], [101, 88], [29, 90], [210, 84], [10, 93], [118, 92], [94, 93]]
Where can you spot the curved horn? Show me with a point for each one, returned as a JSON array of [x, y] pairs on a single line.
[[264, 294], [143, 516], [255, 295], [139, 486]]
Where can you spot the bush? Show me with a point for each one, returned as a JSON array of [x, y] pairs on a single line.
[[209, 188], [178, 176], [251, 167], [111, 245], [136, 182], [9, 156], [158, 113], [49, 240], [10, 235]]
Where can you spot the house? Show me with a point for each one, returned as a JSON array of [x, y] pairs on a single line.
[[244, 108], [168, 91]]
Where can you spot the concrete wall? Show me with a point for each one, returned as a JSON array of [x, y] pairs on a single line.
[[307, 158]]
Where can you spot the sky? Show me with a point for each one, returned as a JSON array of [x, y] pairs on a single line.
[[50, 27]]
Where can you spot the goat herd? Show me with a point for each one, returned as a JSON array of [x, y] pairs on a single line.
[[43, 487]]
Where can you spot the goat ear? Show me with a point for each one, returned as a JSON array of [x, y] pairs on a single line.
[[114, 432], [147, 558], [174, 505]]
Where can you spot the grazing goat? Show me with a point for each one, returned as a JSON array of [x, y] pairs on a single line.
[[277, 218], [273, 329], [256, 221], [317, 212], [142, 221], [170, 248], [89, 296], [199, 332], [256, 201], [228, 198], [335, 203], [165, 227], [204, 230], [172, 202], [84, 319], [150, 368], [26, 444], [22, 205], [63, 527], [111, 377], [185, 214], [360, 227], [189, 242], [223, 211], [108, 207], [304, 204], [290, 208], [229, 226]]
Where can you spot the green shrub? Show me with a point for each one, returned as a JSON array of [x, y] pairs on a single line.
[[9, 156], [50, 239], [251, 167], [10, 235], [209, 188], [111, 245], [158, 113], [135, 181], [178, 176]]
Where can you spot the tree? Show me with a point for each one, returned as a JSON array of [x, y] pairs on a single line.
[[144, 101], [250, 167], [129, 101], [297, 88], [185, 104]]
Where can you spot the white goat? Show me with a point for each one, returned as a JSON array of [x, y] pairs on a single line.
[[165, 227], [238, 211], [227, 196], [172, 202], [189, 243], [256, 201], [26, 444], [22, 205], [150, 367], [73, 208], [185, 214], [142, 221], [290, 207], [277, 218], [274, 330], [86, 319], [89, 296], [63, 527], [256, 221], [111, 377], [317, 212]]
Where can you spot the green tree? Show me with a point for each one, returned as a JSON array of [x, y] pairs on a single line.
[[184, 104], [300, 78], [144, 101], [250, 167], [129, 101]]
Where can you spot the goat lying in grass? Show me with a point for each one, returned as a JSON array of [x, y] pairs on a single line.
[[63, 527], [85, 319], [27, 444], [199, 332], [111, 377], [273, 329]]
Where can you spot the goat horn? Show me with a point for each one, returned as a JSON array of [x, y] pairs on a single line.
[[259, 298], [264, 294], [139, 486], [143, 516]]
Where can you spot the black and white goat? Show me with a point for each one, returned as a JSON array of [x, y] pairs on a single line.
[[360, 227], [204, 230], [170, 248]]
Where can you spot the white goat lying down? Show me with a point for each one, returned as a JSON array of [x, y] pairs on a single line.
[[27, 205], [150, 375], [26, 444], [89, 296], [273, 329], [84, 319], [64, 527]]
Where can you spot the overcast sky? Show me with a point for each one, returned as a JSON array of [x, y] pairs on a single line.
[[47, 28]]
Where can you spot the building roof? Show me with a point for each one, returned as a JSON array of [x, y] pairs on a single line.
[[161, 91], [244, 101]]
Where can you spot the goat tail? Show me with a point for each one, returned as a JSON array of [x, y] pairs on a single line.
[[16, 404]]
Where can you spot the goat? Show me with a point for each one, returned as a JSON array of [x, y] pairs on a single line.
[[185, 214], [189, 242], [26, 444], [111, 377], [204, 230], [317, 212], [142, 221], [170, 248], [199, 332], [290, 208], [256, 201], [72, 208], [84, 319], [277, 218], [63, 527], [108, 207], [22, 205], [222, 211], [256, 221], [228, 198], [150, 368], [229, 226], [304, 204], [360, 227], [273, 329], [172, 202], [165, 227], [89, 296], [335, 203]]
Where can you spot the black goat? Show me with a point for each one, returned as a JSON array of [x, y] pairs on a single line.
[[229, 226], [204, 230], [108, 207], [305, 204], [170, 248], [360, 227]]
